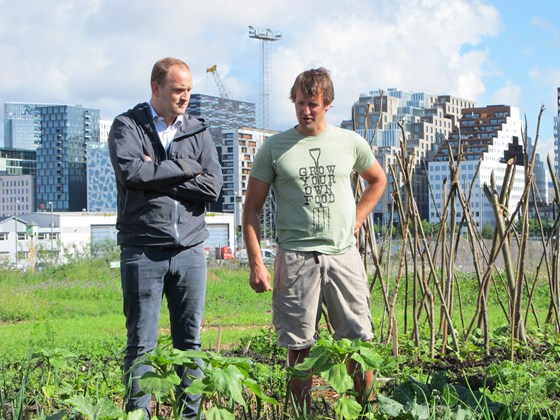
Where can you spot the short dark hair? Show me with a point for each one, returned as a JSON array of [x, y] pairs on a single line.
[[312, 83], [161, 68]]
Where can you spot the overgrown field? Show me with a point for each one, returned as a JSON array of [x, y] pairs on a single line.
[[62, 335]]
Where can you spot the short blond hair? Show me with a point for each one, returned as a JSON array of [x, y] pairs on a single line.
[[161, 68]]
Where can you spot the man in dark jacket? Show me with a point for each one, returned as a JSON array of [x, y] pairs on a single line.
[[167, 169]]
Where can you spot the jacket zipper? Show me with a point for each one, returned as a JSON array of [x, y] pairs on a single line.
[[175, 205]]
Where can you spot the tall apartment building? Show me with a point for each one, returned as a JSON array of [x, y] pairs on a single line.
[[382, 117], [222, 113], [66, 131], [488, 137], [22, 125], [104, 128], [238, 150], [17, 194]]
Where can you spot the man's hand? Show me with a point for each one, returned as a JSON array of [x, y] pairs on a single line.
[[147, 158], [259, 279]]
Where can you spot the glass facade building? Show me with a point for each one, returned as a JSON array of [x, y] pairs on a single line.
[[17, 161], [222, 113], [22, 125], [65, 132]]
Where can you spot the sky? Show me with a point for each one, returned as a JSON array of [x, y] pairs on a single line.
[[99, 53]]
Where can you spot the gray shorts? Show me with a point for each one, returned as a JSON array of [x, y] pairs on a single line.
[[303, 281]]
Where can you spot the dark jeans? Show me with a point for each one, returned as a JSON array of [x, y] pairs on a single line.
[[147, 274]]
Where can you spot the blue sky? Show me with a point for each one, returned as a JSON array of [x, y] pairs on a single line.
[[99, 53], [525, 59]]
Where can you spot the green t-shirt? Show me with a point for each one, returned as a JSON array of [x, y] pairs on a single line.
[[315, 206]]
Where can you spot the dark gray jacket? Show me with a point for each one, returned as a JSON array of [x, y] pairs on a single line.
[[162, 202]]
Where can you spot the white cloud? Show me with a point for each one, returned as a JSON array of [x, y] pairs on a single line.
[[99, 53], [508, 94]]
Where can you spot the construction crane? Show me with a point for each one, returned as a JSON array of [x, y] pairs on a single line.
[[223, 91]]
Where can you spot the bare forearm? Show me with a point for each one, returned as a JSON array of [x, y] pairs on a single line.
[[251, 235], [367, 203]]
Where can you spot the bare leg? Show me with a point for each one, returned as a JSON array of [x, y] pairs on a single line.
[[301, 397], [363, 382]]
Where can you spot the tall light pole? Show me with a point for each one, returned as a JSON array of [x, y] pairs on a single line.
[[15, 231], [265, 36]]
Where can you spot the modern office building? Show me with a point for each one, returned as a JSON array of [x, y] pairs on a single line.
[[62, 156], [17, 161], [487, 138], [222, 113], [22, 125]]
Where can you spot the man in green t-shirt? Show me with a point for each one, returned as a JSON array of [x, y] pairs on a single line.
[[310, 166]]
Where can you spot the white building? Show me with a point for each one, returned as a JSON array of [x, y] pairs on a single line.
[[489, 136], [59, 235], [104, 128]]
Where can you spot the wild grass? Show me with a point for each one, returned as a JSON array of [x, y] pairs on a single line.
[[62, 331], [82, 301]]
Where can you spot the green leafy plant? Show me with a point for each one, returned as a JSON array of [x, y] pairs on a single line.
[[437, 399], [100, 409], [329, 359], [224, 386]]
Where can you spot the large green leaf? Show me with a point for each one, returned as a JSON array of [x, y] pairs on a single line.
[[101, 409], [216, 413], [347, 408], [369, 359], [201, 386], [317, 362], [337, 376], [257, 390], [139, 414], [418, 411], [58, 358], [464, 414], [229, 382], [412, 390], [389, 406], [159, 384]]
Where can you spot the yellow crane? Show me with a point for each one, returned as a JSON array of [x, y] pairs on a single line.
[[223, 91]]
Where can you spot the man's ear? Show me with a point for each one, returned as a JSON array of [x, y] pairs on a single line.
[[155, 89]]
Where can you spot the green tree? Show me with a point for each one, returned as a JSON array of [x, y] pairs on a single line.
[[487, 231]]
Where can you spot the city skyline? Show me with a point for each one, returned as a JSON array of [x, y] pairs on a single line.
[[93, 54]]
